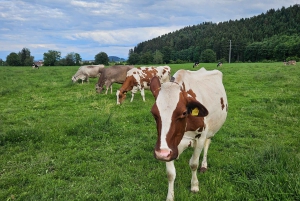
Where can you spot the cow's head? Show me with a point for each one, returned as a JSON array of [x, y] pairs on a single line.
[[171, 110], [74, 79], [121, 95], [98, 88]]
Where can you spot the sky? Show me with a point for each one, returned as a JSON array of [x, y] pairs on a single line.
[[89, 27]]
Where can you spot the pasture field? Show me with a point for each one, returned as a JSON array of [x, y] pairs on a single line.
[[63, 141]]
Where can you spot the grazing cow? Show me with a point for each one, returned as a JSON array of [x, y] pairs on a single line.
[[35, 66], [196, 64], [139, 79], [188, 111], [113, 74], [219, 64], [84, 72], [291, 62]]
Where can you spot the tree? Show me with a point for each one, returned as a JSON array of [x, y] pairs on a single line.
[[146, 58], [13, 59], [166, 51], [133, 59], [101, 58], [25, 58], [208, 56], [158, 57], [51, 57], [78, 58]]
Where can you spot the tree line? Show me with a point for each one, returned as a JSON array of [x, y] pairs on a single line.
[[270, 36], [51, 58]]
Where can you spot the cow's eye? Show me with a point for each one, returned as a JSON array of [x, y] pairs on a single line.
[[183, 115]]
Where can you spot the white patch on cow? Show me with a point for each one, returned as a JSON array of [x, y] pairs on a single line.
[[166, 104]]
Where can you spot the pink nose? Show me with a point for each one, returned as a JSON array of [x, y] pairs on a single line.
[[163, 154]]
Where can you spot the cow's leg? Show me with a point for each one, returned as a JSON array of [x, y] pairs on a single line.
[[132, 96], [204, 161], [184, 144], [143, 94], [194, 162], [108, 85], [133, 91], [171, 173]]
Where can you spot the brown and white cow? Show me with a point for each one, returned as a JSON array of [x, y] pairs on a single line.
[[113, 74], [85, 72], [188, 111], [291, 62], [140, 78]]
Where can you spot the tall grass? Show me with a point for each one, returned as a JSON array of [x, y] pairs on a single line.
[[62, 141]]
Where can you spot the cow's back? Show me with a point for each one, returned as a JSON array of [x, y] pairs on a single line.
[[209, 90], [93, 70], [114, 74]]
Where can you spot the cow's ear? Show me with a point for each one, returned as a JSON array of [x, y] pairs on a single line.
[[155, 86], [195, 108]]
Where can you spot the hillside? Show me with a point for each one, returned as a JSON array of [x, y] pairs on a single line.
[[115, 59], [275, 34]]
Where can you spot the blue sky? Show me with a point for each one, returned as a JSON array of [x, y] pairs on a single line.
[[112, 26]]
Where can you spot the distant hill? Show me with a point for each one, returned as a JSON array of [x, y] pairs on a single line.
[[114, 58], [271, 36]]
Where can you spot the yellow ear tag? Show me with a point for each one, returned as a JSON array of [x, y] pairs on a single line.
[[195, 112]]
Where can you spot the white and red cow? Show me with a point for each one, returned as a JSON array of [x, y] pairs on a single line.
[[85, 72], [188, 111], [291, 62], [113, 74], [140, 78]]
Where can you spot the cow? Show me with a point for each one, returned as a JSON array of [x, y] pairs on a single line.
[[85, 72], [196, 64], [139, 79], [291, 62], [113, 74], [188, 111], [219, 64], [35, 66]]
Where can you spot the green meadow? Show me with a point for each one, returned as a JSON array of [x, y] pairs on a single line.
[[63, 141]]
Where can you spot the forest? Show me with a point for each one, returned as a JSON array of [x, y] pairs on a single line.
[[268, 37]]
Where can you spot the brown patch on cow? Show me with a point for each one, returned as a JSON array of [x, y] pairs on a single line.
[[222, 103], [147, 75], [201, 129], [194, 123], [191, 93], [183, 85]]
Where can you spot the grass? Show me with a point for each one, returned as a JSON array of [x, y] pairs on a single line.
[[62, 141]]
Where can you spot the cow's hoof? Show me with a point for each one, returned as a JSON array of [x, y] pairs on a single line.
[[195, 189], [202, 169]]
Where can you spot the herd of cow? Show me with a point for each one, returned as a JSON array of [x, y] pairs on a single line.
[[190, 107]]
